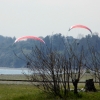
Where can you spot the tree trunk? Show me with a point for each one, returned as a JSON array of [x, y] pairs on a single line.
[[99, 82], [75, 83]]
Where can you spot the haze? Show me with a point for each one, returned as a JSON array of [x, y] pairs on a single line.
[[47, 17]]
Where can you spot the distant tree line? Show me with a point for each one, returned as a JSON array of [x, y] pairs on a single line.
[[11, 55]]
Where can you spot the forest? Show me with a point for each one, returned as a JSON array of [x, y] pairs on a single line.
[[11, 54]]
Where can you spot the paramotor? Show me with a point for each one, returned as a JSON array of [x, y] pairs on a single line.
[[29, 37], [80, 26]]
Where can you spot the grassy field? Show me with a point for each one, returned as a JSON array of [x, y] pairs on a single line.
[[29, 92], [23, 77], [25, 91], [13, 77], [19, 92]]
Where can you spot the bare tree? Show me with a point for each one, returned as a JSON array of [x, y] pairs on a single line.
[[49, 67], [94, 63], [76, 64], [93, 58], [53, 69]]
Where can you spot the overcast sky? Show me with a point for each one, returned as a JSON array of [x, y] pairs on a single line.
[[47, 17]]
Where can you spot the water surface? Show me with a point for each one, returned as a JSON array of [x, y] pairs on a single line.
[[4, 70]]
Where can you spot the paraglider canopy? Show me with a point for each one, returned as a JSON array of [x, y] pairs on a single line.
[[80, 26], [29, 37]]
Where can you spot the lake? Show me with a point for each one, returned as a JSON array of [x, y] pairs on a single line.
[[6, 70]]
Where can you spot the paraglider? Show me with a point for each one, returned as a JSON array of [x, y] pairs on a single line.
[[80, 26], [29, 37]]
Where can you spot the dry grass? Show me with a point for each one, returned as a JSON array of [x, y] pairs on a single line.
[[13, 77], [23, 77]]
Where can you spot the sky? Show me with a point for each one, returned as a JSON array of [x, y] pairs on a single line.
[[47, 17]]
